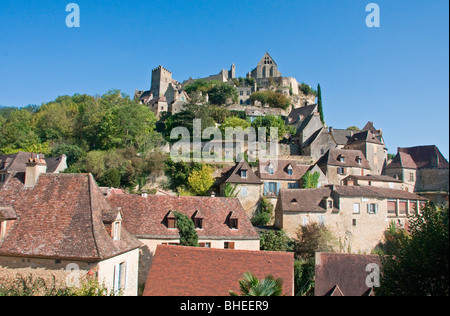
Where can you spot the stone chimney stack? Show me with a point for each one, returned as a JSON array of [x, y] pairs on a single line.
[[35, 167]]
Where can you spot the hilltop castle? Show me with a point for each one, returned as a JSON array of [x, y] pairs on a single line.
[[167, 95]]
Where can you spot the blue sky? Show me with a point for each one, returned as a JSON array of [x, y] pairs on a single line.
[[396, 75]]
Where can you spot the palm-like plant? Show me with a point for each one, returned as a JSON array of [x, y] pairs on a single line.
[[230, 190], [250, 285]]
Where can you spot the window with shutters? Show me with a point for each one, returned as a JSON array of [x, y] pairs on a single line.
[[372, 208], [392, 207], [228, 245], [402, 207], [120, 277]]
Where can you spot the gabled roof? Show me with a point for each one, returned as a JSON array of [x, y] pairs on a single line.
[[60, 217], [189, 271], [419, 157], [280, 170], [304, 200], [16, 162], [339, 274], [299, 114], [233, 174], [332, 157], [364, 136], [144, 217], [379, 178]]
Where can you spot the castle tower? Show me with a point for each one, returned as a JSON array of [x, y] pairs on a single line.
[[161, 78], [232, 72]]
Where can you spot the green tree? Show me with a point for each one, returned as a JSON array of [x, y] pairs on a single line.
[[230, 190], [313, 238], [264, 213], [271, 98], [178, 172], [186, 228], [304, 271], [319, 103], [420, 265], [250, 285], [18, 132], [310, 180], [220, 93], [276, 240], [200, 181], [269, 121]]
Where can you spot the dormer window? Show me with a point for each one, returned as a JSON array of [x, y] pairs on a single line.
[[197, 218], [271, 169], [171, 220], [117, 230], [244, 174], [294, 201], [233, 222], [341, 158], [359, 160], [290, 170], [112, 219]]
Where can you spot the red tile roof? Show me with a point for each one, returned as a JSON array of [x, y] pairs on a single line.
[[281, 170], [146, 217], [188, 271], [419, 157], [60, 217], [332, 157]]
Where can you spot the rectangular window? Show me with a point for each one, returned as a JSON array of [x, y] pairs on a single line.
[[233, 223], [204, 244], [244, 192], [198, 223], [120, 276], [356, 208], [244, 173], [402, 207], [341, 170], [171, 223], [2, 177], [321, 220], [411, 177], [228, 245], [392, 207], [305, 221], [354, 222], [241, 92], [372, 208], [116, 230], [290, 172]]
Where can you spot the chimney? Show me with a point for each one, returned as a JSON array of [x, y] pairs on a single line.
[[331, 129], [35, 166], [213, 194]]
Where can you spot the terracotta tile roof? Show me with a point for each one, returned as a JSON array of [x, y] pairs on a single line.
[[234, 175], [381, 178], [364, 136], [146, 217], [304, 200], [281, 170], [16, 162], [300, 113], [419, 157], [60, 217], [188, 271], [312, 200], [332, 157], [339, 274], [377, 192]]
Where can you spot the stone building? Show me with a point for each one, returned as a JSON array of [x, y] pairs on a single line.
[[337, 164], [219, 223], [356, 215], [425, 169], [266, 68], [16, 163], [54, 223], [248, 186]]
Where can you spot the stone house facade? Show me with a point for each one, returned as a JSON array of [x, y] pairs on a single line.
[[60, 222], [219, 222], [425, 169], [356, 215], [337, 164]]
